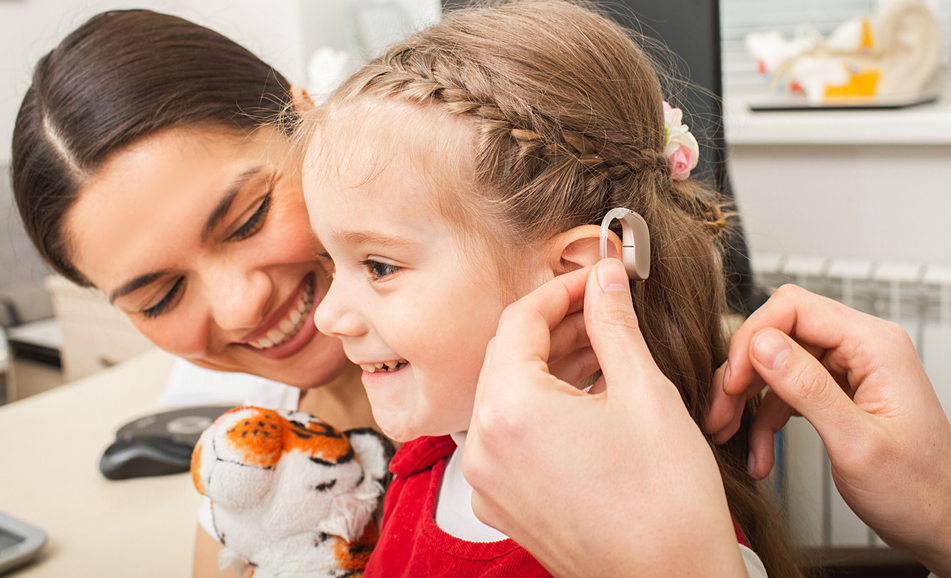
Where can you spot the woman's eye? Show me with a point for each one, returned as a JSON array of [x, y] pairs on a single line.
[[328, 263], [379, 270], [167, 301], [255, 222]]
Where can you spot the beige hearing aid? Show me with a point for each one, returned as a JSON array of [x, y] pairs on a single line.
[[635, 242]]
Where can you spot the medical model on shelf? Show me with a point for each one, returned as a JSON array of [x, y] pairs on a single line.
[[887, 58]]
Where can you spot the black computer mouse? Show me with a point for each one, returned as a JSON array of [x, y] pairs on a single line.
[[157, 445], [145, 456]]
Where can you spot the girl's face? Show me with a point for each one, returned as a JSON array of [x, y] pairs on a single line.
[[413, 308], [202, 238]]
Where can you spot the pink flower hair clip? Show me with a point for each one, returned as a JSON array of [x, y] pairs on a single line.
[[679, 145]]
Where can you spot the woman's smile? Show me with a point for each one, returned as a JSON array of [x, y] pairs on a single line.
[[289, 328]]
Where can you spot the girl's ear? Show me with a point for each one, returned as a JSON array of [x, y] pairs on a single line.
[[580, 247], [300, 99]]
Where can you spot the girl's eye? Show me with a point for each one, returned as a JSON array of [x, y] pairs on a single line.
[[379, 270], [166, 302], [255, 222]]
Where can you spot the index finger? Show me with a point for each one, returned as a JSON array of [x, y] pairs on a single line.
[[525, 326]]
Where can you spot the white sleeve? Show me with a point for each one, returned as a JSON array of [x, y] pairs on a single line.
[[754, 566]]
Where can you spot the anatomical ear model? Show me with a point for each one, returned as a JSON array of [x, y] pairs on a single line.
[[891, 54]]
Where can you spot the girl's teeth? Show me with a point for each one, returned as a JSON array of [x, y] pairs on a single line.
[[385, 366], [275, 335], [286, 325], [265, 342], [295, 316]]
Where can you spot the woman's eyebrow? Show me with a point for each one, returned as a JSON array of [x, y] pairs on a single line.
[[218, 213], [135, 284], [221, 209]]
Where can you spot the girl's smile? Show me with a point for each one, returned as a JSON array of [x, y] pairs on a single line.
[[410, 299]]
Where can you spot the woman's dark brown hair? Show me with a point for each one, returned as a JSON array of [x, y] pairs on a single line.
[[118, 78], [568, 123]]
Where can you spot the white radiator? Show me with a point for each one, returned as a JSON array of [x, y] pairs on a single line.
[[915, 295]]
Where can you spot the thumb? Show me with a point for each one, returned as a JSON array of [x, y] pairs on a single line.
[[612, 325], [800, 380]]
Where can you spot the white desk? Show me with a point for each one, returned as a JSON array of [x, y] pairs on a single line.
[[50, 446]]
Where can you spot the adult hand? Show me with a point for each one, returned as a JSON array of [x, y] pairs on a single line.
[[859, 382], [619, 482]]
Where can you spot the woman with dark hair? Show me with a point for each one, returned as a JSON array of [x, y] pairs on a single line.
[[149, 161]]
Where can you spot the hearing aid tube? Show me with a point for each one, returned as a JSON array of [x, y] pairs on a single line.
[[635, 242]]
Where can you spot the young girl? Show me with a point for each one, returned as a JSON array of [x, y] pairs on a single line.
[[466, 166]]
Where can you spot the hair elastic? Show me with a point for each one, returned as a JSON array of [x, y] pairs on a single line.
[[635, 242]]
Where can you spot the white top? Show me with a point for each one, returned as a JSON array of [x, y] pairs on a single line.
[[454, 513]]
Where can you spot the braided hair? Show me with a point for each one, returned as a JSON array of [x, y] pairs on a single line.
[[567, 114]]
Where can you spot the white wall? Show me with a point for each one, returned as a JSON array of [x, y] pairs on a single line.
[[281, 32], [879, 202], [31, 28]]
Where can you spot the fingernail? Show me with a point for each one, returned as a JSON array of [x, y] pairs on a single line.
[[771, 350], [726, 375], [750, 464], [612, 276]]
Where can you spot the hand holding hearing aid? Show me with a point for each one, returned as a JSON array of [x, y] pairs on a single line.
[[859, 382], [534, 440]]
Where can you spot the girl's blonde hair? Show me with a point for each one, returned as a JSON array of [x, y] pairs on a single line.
[[568, 117]]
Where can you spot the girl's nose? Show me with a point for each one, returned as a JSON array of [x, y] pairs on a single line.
[[335, 315], [240, 298]]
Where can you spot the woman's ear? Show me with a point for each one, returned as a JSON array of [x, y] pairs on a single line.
[[301, 100], [580, 247]]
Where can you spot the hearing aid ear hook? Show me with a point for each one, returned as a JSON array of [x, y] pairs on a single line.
[[635, 242]]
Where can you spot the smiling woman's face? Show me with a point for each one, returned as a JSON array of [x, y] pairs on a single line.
[[203, 239]]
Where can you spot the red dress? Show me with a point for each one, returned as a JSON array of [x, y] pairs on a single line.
[[412, 545]]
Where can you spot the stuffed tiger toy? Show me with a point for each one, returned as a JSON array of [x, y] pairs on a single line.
[[291, 496]]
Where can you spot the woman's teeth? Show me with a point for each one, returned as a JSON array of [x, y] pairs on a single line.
[[385, 366], [289, 326]]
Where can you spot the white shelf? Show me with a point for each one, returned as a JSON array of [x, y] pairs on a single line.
[[925, 124]]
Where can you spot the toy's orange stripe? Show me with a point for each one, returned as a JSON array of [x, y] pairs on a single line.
[[259, 437], [319, 440], [355, 556], [196, 475]]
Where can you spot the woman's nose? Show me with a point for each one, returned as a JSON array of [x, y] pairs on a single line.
[[335, 314], [240, 299]]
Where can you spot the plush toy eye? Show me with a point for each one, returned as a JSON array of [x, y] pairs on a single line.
[[325, 486]]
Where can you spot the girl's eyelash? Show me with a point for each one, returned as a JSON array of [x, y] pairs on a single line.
[[255, 222], [378, 269], [160, 307]]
